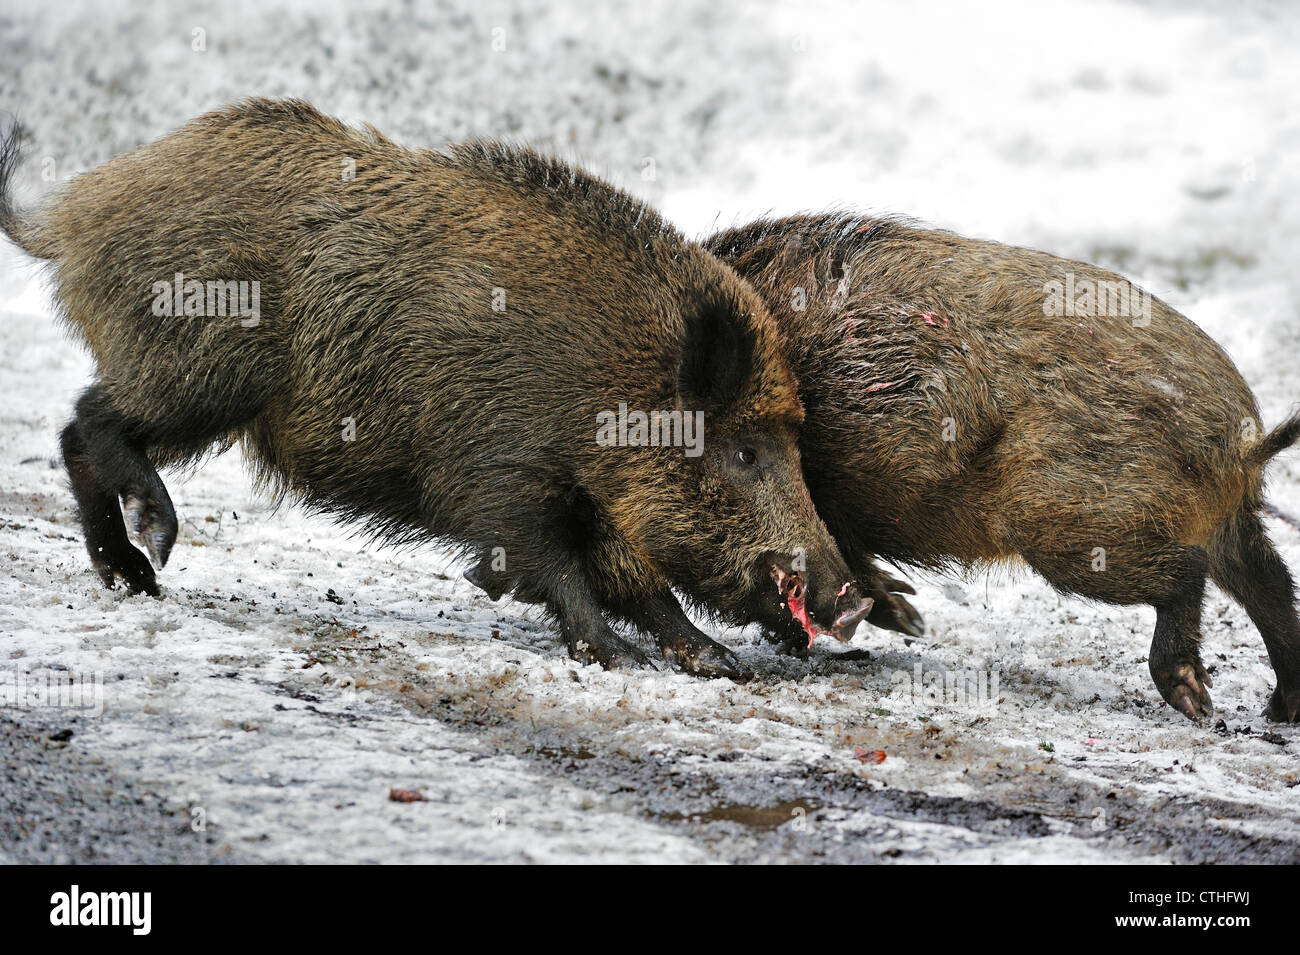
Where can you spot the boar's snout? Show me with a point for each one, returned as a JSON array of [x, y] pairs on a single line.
[[851, 608], [815, 604]]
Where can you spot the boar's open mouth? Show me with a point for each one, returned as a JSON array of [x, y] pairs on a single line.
[[793, 591]]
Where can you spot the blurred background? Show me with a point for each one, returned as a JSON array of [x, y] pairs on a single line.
[[1159, 138]]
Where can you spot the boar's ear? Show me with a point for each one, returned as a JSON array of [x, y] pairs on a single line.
[[717, 356]]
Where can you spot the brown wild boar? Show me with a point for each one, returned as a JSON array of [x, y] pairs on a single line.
[[968, 402], [425, 344]]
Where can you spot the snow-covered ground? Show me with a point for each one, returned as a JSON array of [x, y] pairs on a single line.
[[290, 676]]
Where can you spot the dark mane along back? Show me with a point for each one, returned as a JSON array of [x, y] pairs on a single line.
[[621, 214]]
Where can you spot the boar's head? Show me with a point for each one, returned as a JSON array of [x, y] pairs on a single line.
[[736, 530]]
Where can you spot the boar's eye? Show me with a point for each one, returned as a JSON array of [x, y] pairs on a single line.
[[746, 457]]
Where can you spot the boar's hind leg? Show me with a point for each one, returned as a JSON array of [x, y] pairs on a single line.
[[1244, 563], [107, 464], [1175, 658], [682, 643], [1168, 575]]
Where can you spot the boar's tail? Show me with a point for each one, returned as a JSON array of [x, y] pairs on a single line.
[[12, 222], [1279, 439]]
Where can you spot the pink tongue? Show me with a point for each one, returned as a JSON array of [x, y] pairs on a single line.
[[791, 588], [800, 613]]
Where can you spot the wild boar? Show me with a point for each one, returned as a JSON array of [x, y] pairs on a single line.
[[968, 402], [426, 344]]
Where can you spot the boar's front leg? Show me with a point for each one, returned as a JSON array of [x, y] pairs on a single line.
[[589, 637], [791, 638], [682, 643], [494, 583], [890, 611]]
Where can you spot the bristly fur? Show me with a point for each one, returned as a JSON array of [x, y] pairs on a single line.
[[472, 311]]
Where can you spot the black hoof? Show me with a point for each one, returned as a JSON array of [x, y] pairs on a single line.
[[609, 650], [703, 657], [1185, 686], [794, 642], [1283, 707], [151, 523], [130, 565], [892, 612]]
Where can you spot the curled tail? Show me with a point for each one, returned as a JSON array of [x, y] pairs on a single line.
[[12, 222], [1279, 439]]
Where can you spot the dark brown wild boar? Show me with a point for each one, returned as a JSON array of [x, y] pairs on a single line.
[[969, 402], [425, 344]]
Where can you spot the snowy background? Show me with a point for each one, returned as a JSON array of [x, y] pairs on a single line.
[[290, 677]]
